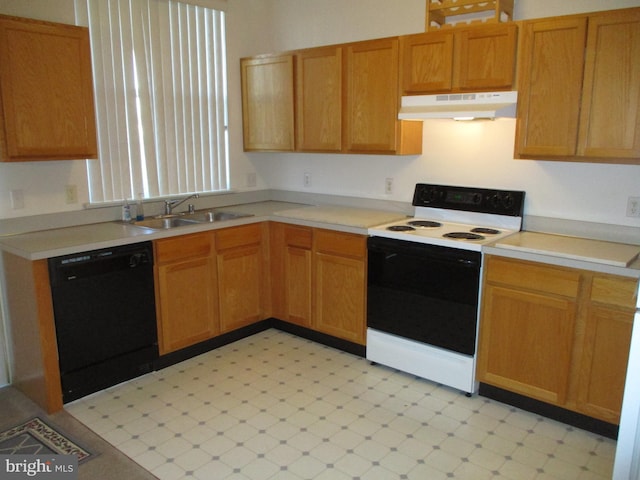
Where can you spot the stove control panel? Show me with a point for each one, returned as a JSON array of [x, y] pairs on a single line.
[[471, 199]]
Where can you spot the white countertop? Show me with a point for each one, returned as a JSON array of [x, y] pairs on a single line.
[[575, 252], [608, 253], [337, 215], [611, 257], [70, 240]]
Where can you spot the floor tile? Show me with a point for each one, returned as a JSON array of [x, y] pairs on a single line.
[[278, 407]]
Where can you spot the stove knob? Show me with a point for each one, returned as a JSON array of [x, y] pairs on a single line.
[[477, 198], [507, 201]]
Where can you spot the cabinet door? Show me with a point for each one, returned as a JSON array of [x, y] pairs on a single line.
[[186, 287], [46, 92], [485, 58], [340, 284], [319, 99], [550, 71], [610, 117], [427, 62], [241, 281], [187, 303], [603, 364], [267, 103], [525, 343], [297, 272], [372, 96]]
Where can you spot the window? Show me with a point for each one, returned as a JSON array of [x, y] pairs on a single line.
[[159, 71]]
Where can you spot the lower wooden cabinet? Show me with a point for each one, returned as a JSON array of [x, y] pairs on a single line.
[[320, 280], [241, 266], [340, 284], [556, 334], [186, 291], [292, 273]]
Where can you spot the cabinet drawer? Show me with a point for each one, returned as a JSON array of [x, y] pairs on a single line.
[[238, 236], [184, 246], [614, 291], [340, 243], [298, 237], [533, 276]]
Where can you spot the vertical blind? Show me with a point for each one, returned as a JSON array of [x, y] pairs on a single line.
[[161, 98]]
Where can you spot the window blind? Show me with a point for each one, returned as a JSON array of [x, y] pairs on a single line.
[[161, 98]]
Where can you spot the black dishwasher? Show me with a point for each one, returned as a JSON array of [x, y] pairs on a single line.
[[104, 308]]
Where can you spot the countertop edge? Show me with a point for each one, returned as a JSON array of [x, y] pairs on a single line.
[[632, 271]]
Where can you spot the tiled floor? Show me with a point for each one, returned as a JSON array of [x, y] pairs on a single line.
[[275, 406]]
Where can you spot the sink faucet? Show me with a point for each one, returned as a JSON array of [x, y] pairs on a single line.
[[169, 205]]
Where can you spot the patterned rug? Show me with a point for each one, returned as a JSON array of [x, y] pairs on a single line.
[[35, 437]]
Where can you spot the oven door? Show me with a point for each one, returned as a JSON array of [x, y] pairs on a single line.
[[424, 292]]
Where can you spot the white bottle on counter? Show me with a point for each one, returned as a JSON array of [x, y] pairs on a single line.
[[126, 211]]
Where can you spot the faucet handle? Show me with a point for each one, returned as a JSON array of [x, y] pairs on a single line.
[[192, 208]]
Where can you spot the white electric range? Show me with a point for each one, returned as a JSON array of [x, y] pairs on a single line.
[[424, 280]]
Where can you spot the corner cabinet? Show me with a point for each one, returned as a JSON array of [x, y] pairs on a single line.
[[461, 59], [46, 91], [186, 290], [267, 103], [579, 88], [556, 334], [319, 280]]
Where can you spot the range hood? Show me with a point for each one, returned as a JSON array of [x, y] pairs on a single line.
[[459, 105]]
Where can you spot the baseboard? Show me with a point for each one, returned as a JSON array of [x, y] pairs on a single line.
[[584, 422], [186, 353]]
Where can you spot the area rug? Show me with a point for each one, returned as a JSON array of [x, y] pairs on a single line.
[[35, 437]]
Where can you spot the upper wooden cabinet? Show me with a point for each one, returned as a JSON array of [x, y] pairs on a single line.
[[457, 60], [46, 91], [267, 103], [579, 88], [610, 114], [346, 101], [372, 102], [319, 99]]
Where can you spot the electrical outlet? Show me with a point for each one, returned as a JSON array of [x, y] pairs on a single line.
[[306, 181], [251, 179], [633, 207], [71, 194], [17, 199], [388, 185]]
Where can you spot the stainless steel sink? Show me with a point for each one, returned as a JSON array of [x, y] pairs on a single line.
[[164, 222]]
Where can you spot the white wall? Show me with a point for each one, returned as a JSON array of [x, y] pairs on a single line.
[[475, 154]]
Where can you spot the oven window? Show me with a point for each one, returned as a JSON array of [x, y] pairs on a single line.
[[424, 292]]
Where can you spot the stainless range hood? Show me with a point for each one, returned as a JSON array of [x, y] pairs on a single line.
[[459, 105]]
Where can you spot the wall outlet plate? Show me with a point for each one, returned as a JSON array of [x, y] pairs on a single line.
[[633, 207]]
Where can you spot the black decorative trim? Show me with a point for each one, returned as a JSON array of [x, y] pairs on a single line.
[[584, 422], [224, 339]]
